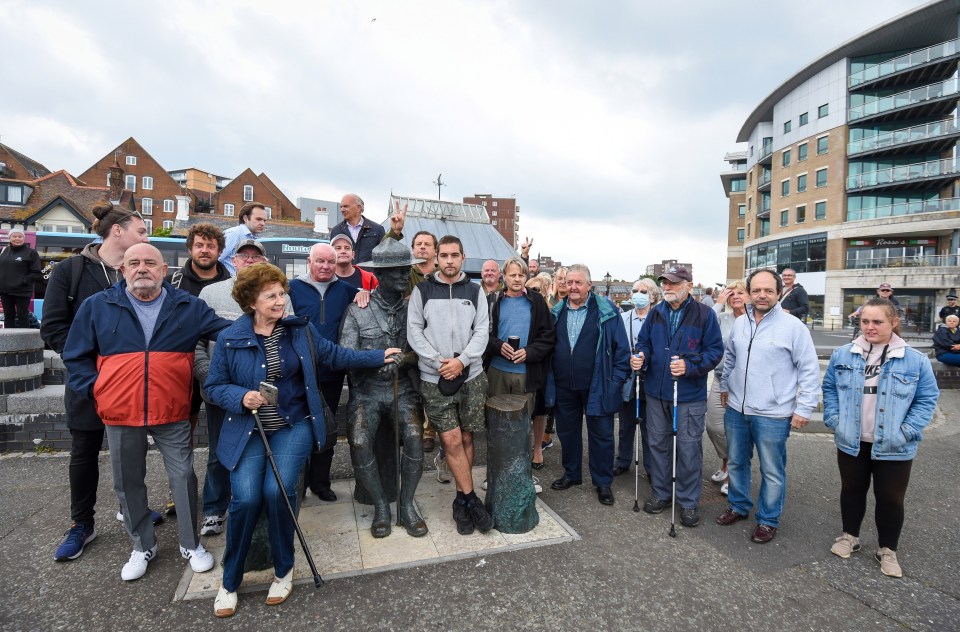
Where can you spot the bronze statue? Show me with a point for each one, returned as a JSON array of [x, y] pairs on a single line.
[[385, 401]]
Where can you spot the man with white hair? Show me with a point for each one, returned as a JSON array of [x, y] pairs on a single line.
[[364, 233]]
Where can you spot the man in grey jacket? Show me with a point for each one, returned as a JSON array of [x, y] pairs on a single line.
[[448, 327], [770, 384]]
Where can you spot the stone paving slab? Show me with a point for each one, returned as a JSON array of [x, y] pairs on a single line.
[[339, 538]]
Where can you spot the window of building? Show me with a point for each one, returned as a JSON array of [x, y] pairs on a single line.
[[147, 183], [750, 178], [820, 210], [823, 144], [741, 210], [801, 152], [130, 182], [738, 186], [740, 232], [493, 213], [823, 110], [248, 193], [228, 210], [484, 202], [821, 177], [786, 157], [146, 206], [493, 222], [11, 194], [806, 253], [749, 226], [804, 118], [784, 218], [784, 188], [787, 127], [750, 203], [801, 214], [168, 224], [131, 160], [268, 211], [801, 183], [168, 206], [149, 224], [494, 203]]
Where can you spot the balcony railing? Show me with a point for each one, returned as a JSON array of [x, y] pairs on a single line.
[[763, 179], [913, 134], [766, 149], [912, 207], [897, 64], [903, 99], [904, 173], [917, 261]]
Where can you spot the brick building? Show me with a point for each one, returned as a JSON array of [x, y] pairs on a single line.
[[248, 187], [504, 214]]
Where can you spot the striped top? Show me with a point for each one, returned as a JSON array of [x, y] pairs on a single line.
[[269, 415]]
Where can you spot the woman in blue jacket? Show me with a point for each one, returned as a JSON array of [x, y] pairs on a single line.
[[878, 396], [262, 346]]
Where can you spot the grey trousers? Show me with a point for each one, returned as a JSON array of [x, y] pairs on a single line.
[[690, 419], [128, 456]]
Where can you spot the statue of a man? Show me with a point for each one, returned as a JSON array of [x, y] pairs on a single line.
[[370, 412]]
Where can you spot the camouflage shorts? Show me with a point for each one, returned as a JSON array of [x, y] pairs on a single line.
[[464, 409]]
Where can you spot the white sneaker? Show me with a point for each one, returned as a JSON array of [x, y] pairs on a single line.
[[443, 472], [212, 525], [137, 566], [536, 485], [889, 565], [719, 476], [725, 488], [200, 559]]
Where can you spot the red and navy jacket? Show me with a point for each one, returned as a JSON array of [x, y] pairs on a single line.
[[134, 385]]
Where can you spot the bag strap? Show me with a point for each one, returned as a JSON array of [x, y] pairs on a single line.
[[76, 270]]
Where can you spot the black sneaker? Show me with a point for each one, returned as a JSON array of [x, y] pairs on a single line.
[[655, 505], [461, 515], [478, 513], [690, 517]]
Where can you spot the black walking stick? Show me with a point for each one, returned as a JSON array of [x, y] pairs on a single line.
[[317, 580]]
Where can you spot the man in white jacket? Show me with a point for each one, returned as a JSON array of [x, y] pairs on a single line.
[[770, 384]]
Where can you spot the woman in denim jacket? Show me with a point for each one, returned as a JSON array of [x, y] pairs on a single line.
[[878, 396]]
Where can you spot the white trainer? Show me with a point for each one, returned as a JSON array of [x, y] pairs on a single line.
[[200, 559], [212, 525], [725, 489], [536, 485], [137, 566], [719, 476]]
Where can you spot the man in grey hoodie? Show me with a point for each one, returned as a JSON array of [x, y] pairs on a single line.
[[448, 327], [770, 384]]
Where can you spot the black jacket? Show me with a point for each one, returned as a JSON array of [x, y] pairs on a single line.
[[188, 281], [943, 340], [541, 339], [796, 303], [370, 236], [19, 270]]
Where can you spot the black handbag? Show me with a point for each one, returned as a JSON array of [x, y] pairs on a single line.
[[331, 439]]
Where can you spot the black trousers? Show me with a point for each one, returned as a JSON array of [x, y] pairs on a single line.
[[84, 473], [318, 471], [890, 479], [16, 311]]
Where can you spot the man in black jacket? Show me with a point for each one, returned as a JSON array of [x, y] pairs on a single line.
[[522, 371], [366, 235], [793, 299], [72, 281]]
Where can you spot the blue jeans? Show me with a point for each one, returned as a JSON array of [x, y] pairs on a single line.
[[216, 484], [952, 358], [769, 435], [253, 484]]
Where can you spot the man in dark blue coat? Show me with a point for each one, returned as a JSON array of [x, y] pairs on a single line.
[[680, 343], [590, 364], [366, 234]]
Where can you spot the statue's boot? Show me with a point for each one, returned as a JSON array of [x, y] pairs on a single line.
[[369, 477], [410, 471]]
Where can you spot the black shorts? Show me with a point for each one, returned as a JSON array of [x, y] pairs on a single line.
[[539, 408]]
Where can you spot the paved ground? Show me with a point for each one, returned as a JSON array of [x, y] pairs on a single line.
[[625, 572]]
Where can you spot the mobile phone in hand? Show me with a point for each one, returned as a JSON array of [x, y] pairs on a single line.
[[269, 392]]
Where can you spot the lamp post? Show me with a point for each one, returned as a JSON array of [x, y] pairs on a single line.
[[607, 279]]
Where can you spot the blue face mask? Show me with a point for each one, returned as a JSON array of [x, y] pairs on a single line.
[[640, 300]]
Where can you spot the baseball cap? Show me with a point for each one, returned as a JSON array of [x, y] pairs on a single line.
[[885, 286], [340, 236], [252, 242], [676, 274]]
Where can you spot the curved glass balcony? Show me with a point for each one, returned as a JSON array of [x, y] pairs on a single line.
[[915, 261], [911, 207], [885, 140], [903, 99], [904, 62], [904, 173]]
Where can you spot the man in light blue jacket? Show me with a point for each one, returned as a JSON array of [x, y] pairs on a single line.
[[770, 384]]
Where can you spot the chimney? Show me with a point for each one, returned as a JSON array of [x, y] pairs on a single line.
[[320, 220], [116, 181]]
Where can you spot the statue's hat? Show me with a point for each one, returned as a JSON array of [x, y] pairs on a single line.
[[391, 254]]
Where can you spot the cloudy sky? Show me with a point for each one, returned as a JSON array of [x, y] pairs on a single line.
[[607, 120]]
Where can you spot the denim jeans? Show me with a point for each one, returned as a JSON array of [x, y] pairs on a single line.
[[253, 484], [769, 435], [216, 484]]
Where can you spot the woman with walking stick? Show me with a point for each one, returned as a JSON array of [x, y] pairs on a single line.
[[878, 396], [262, 347]]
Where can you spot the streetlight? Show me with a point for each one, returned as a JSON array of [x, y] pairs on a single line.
[[607, 279]]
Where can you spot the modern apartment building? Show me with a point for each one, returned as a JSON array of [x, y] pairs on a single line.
[[851, 174], [504, 215]]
